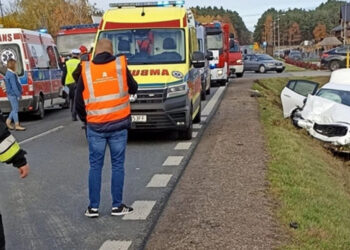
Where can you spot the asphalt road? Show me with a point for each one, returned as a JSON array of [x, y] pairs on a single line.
[[46, 210]]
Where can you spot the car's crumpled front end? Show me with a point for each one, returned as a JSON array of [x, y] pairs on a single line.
[[325, 120]]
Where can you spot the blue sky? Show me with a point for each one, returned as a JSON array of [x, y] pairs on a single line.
[[249, 10]]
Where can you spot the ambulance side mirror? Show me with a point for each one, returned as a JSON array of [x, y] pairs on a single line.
[[210, 56], [198, 59]]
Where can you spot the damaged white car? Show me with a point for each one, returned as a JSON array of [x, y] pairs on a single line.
[[324, 112]]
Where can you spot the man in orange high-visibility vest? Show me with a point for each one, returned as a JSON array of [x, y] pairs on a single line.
[[102, 101]]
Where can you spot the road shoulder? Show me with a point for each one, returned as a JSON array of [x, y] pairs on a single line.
[[222, 200]]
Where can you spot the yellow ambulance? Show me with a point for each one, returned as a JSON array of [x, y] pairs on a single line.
[[159, 40]]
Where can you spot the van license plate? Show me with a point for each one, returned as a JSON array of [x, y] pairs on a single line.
[[138, 118]]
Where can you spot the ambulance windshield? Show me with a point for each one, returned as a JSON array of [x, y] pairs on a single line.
[[66, 43], [8, 51], [148, 46], [215, 41]]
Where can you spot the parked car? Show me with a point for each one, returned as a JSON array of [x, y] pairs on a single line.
[[279, 53], [324, 112], [261, 63], [335, 58], [295, 55]]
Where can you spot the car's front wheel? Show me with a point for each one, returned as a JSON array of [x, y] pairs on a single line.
[[239, 75], [334, 65], [262, 69]]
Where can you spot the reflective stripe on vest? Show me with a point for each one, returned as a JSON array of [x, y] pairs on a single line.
[[93, 99], [10, 153], [71, 65], [104, 101], [107, 110], [7, 143]]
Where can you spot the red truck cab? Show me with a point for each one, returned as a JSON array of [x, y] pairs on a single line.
[[218, 44], [73, 36], [236, 59]]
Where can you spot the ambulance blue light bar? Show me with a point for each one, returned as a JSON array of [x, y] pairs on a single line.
[[148, 4], [43, 31]]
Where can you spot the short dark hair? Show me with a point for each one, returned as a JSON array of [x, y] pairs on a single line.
[[11, 60]]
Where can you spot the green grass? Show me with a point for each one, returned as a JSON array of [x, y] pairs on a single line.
[[310, 185], [292, 68]]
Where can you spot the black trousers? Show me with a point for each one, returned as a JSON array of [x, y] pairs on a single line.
[[72, 88], [2, 235]]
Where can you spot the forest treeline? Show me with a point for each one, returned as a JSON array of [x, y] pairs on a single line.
[[297, 25]]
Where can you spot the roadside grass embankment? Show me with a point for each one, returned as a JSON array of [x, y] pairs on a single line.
[[293, 68], [310, 185]]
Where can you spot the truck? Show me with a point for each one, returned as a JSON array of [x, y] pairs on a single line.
[[236, 63], [37, 69], [160, 42], [73, 36], [205, 71], [218, 44]]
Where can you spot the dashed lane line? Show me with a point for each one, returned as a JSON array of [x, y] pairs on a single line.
[[211, 104], [194, 134], [173, 161], [116, 245], [183, 145], [159, 180], [197, 126], [141, 210], [41, 135]]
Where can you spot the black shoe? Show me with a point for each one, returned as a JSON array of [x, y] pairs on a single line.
[[74, 119], [121, 210], [92, 212]]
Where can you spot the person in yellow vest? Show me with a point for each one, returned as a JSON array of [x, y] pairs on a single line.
[[69, 81], [10, 153], [102, 101]]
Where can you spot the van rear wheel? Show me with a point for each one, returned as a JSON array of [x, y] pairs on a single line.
[[40, 114], [197, 119]]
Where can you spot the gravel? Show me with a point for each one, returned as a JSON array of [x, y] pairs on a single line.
[[222, 199]]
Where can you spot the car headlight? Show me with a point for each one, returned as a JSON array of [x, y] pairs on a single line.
[[239, 61], [177, 90], [271, 64], [220, 72]]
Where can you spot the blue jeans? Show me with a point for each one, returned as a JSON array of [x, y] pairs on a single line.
[[13, 116], [97, 147]]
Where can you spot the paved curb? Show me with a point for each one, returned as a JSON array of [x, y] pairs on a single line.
[[172, 184]]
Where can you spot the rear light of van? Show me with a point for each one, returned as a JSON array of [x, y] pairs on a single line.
[[30, 82]]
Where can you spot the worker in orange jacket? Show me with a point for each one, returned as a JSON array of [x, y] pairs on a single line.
[[102, 101]]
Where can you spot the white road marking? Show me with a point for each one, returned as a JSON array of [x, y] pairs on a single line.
[[141, 210], [173, 161], [194, 134], [159, 180], [211, 104], [41, 135], [204, 118], [116, 245], [197, 126], [183, 145]]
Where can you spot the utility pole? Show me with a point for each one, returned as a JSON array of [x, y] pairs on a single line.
[[344, 23], [274, 36], [278, 33], [2, 14]]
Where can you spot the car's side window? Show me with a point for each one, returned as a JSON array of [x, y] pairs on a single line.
[[303, 88], [291, 85]]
